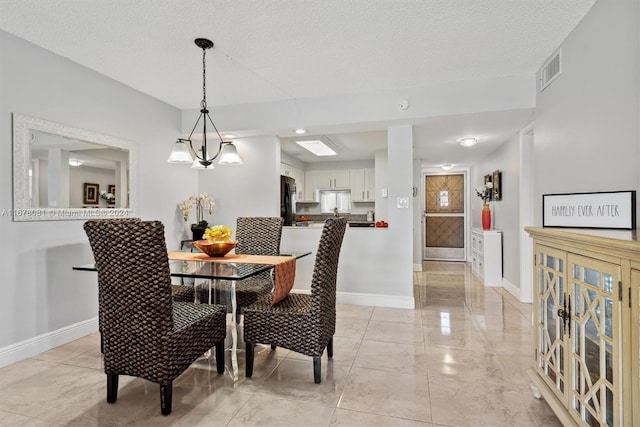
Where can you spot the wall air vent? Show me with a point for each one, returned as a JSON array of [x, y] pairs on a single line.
[[550, 70]]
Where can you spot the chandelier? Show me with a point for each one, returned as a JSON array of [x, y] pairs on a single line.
[[184, 151]]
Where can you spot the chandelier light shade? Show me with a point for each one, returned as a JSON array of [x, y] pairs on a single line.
[[184, 152]]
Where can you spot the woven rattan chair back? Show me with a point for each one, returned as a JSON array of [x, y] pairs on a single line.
[[325, 271], [258, 235], [134, 286]]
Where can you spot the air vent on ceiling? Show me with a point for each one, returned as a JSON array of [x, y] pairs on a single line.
[[550, 70]]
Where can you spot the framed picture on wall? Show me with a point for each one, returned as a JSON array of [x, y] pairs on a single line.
[[487, 180], [112, 190], [90, 194], [497, 185]]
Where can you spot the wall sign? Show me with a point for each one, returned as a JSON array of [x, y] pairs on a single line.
[[615, 209]]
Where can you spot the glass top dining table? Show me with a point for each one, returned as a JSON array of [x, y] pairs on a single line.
[[211, 270], [221, 269]]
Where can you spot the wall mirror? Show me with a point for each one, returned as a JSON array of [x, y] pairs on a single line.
[[65, 173]]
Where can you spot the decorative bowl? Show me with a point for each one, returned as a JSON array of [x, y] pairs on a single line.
[[215, 249]]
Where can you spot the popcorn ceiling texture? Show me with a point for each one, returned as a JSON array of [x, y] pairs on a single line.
[[274, 50]]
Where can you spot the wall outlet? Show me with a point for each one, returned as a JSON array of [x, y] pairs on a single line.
[[403, 203]]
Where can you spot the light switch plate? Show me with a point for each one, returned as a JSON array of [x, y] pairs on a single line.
[[383, 192], [403, 203]]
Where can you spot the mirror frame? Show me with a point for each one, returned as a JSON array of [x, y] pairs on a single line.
[[22, 210]]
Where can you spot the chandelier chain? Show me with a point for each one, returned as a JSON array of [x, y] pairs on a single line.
[[204, 79]]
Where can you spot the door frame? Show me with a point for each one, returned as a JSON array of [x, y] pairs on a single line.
[[431, 171]]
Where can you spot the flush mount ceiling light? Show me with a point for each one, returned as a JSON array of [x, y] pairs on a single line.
[[184, 152], [447, 166], [74, 162], [300, 131], [317, 147], [468, 142]]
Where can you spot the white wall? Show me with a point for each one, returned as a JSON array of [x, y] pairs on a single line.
[[41, 293], [252, 189], [586, 122], [504, 213]]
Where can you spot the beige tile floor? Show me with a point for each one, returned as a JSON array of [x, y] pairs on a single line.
[[458, 359]]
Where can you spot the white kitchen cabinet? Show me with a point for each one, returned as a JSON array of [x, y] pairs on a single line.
[[586, 322], [362, 185], [333, 178], [486, 256], [285, 169], [309, 189]]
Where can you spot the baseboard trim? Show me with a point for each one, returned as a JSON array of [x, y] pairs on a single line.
[[376, 300], [36, 345], [511, 288], [417, 267]]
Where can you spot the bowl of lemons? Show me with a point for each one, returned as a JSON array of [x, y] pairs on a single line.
[[217, 241]]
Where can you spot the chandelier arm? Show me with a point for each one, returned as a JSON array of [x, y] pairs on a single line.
[[195, 152], [216, 129]]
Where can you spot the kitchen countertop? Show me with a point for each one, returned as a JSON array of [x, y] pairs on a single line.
[[319, 224]]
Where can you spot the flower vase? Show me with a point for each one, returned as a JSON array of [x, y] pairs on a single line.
[[486, 217], [198, 230]]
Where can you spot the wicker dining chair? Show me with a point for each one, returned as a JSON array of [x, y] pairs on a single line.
[[255, 236], [301, 322], [145, 332]]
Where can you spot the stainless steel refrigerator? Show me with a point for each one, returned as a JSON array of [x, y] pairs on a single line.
[[287, 198]]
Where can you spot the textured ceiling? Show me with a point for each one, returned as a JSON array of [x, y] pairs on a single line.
[[268, 50]]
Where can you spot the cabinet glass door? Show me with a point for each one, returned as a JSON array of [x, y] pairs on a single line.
[[550, 325], [595, 328]]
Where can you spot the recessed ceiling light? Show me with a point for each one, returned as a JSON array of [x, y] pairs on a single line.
[[301, 131], [447, 166], [468, 142], [317, 147], [229, 135], [74, 162]]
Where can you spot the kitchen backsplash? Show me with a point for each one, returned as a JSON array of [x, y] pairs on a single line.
[[322, 217]]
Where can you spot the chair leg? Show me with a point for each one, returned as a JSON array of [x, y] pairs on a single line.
[[166, 394], [220, 356], [273, 346], [112, 388], [316, 370], [330, 348], [249, 359]]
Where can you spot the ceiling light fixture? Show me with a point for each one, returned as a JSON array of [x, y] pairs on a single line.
[[447, 166], [468, 142], [301, 131], [317, 147], [184, 152], [74, 162]]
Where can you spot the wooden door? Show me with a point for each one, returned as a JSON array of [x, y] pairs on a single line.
[[444, 217]]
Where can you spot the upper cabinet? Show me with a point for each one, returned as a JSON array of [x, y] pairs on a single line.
[[361, 182], [362, 185], [332, 179]]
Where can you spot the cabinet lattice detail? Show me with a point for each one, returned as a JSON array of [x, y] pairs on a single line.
[[586, 321]]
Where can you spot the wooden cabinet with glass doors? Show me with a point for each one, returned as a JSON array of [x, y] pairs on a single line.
[[586, 322]]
